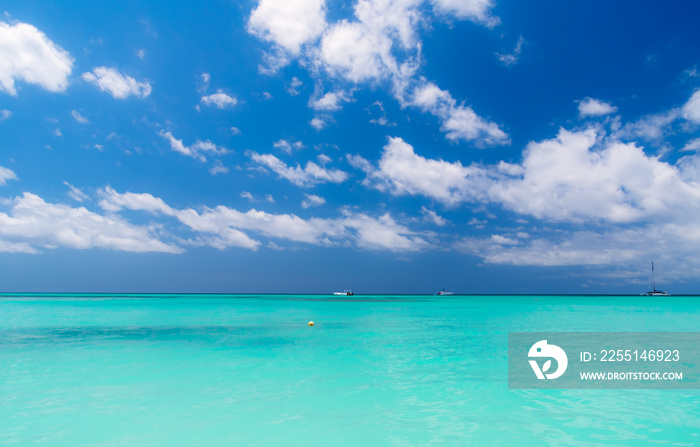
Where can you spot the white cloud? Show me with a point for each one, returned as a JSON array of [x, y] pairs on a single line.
[[312, 200], [476, 10], [570, 178], [674, 246], [266, 96], [220, 100], [218, 168], [503, 240], [378, 114], [329, 102], [383, 233], [247, 195], [317, 123], [116, 84], [381, 46], [401, 171], [223, 227], [78, 117], [57, 133], [194, 151], [293, 87], [691, 109], [594, 107], [432, 217], [509, 59], [202, 84], [5, 114], [288, 23], [75, 193], [459, 122], [16, 247], [692, 145], [6, 174], [111, 200], [305, 177], [32, 222], [286, 146], [26, 54], [652, 127], [141, 53], [578, 176], [351, 51], [235, 131]]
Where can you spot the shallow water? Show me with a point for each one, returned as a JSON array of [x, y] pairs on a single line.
[[178, 370]]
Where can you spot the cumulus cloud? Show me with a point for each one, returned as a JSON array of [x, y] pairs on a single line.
[[293, 87], [203, 82], [317, 123], [220, 100], [692, 145], [288, 23], [6, 174], [312, 200], [570, 178], [218, 168], [26, 54], [383, 233], [222, 227], [380, 46], [194, 151], [5, 114], [459, 122], [33, 223], [403, 172], [310, 175], [654, 127], [116, 84], [287, 146], [578, 176], [329, 102], [476, 10], [431, 216], [594, 107]]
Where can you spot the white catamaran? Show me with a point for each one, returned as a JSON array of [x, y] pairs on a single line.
[[653, 291]]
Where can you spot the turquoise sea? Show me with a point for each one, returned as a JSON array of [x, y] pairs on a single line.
[[246, 370]]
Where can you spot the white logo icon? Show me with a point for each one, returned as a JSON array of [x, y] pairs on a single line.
[[542, 349]]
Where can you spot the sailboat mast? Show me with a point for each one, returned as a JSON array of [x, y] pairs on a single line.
[[653, 285]]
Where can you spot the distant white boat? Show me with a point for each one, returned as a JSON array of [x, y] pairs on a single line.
[[344, 293], [653, 291], [445, 292]]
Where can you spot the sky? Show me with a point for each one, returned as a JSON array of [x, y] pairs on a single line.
[[383, 146]]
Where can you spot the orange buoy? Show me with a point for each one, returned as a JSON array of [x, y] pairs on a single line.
[[311, 323]]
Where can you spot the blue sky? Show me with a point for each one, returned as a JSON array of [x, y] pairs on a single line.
[[384, 146]]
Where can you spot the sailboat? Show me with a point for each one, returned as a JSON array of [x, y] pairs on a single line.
[[653, 291]]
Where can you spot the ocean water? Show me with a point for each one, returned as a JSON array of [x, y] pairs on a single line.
[[246, 370]]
